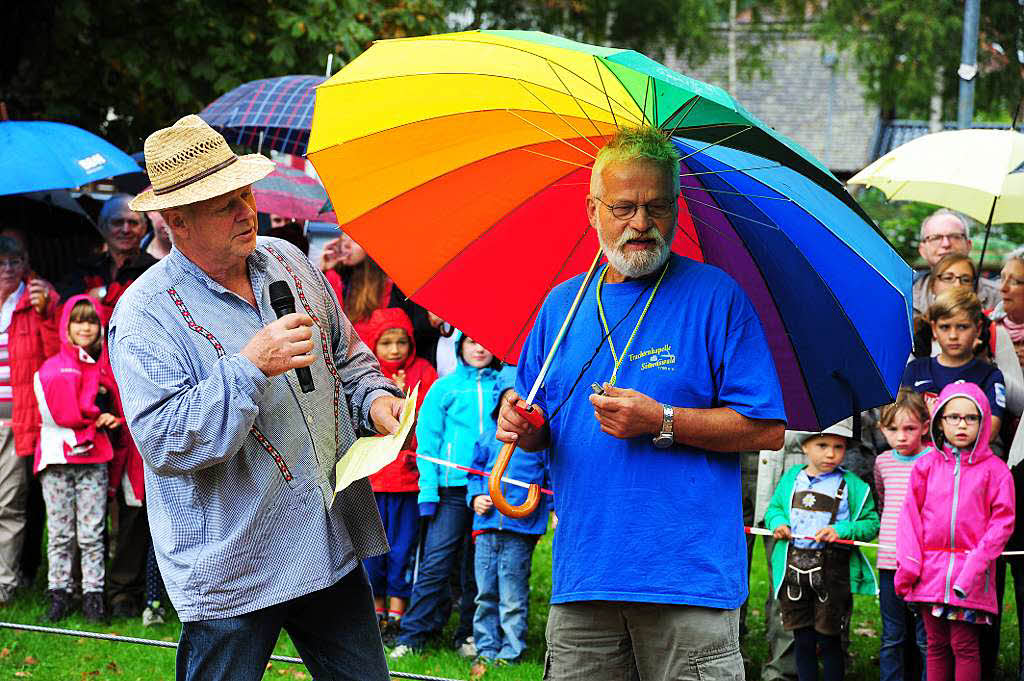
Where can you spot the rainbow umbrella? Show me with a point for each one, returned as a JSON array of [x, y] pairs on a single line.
[[461, 163]]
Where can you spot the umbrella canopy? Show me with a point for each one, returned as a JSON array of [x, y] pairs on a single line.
[[39, 156], [290, 193], [444, 176], [281, 108], [977, 172]]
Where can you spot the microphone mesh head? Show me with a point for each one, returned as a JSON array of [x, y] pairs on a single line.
[[280, 292]]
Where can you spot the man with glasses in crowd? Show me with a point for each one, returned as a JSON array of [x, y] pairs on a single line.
[[106, 275], [944, 232]]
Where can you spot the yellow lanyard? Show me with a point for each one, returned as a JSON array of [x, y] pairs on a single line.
[[604, 322]]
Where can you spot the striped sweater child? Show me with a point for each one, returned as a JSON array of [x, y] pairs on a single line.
[[892, 475]]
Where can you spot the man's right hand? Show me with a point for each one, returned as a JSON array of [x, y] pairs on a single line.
[[282, 345], [511, 424]]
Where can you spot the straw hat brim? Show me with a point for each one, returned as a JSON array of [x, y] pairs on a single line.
[[245, 171]]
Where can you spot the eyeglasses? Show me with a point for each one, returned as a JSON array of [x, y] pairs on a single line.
[[11, 263], [949, 278], [1012, 281], [954, 419], [121, 222], [955, 238], [624, 210]]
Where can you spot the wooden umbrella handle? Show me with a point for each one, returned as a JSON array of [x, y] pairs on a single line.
[[494, 487], [498, 472]]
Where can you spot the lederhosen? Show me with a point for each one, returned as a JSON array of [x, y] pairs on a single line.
[[816, 587]]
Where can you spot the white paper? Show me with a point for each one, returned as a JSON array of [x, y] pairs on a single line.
[[370, 454]]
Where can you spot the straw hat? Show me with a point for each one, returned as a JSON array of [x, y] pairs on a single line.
[[190, 162]]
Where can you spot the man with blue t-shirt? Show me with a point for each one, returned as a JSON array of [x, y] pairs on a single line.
[[649, 557]]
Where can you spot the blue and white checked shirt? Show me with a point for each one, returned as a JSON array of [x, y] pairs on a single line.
[[239, 467]]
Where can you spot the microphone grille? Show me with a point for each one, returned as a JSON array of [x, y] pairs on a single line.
[[280, 292]]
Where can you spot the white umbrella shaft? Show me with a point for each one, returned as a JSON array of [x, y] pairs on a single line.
[[565, 326]]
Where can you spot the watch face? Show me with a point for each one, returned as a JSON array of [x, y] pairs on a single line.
[[663, 441]]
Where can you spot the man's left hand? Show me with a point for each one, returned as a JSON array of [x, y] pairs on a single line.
[[625, 413], [385, 412]]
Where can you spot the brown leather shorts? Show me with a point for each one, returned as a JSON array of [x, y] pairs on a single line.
[[816, 593]]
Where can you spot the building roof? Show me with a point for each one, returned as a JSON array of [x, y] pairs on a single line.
[[794, 99]]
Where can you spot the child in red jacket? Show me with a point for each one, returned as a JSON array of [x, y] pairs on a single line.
[[75, 391], [389, 333]]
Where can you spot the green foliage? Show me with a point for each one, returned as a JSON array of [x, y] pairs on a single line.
[[123, 68], [901, 222], [907, 51]]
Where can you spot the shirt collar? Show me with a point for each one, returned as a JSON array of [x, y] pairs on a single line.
[[256, 262]]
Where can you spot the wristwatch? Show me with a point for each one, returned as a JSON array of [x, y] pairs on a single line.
[[666, 438]]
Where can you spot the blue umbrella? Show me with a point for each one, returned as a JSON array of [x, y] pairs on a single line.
[[281, 109], [833, 297], [39, 156]]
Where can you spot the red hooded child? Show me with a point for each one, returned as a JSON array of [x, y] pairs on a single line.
[[400, 475]]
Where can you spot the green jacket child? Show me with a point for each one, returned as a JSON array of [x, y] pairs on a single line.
[[863, 526]]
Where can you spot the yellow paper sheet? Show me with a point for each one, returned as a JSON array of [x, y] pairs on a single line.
[[370, 454]]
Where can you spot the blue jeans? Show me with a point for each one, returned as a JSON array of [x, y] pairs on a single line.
[[503, 594], [387, 573], [897, 620], [447, 535], [334, 629]]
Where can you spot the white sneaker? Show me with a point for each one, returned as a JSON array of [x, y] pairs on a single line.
[[401, 650], [467, 648]]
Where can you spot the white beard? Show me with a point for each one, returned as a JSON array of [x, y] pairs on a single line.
[[637, 263]]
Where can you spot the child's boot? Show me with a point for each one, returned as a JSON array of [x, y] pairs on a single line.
[[60, 605], [94, 607]]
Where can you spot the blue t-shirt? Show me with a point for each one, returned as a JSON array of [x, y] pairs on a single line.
[[637, 523], [925, 375]]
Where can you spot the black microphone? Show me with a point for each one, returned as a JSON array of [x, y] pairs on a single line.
[[283, 302]]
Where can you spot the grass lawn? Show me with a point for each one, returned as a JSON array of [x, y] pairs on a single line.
[[63, 658]]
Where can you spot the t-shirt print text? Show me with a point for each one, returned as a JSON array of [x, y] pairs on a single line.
[[655, 358]]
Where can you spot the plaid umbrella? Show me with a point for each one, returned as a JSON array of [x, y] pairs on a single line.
[[282, 108], [292, 194]]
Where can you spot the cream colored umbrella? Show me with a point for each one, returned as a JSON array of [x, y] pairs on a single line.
[[977, 172]]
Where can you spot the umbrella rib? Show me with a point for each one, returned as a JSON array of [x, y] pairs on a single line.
[[736, 215], [643, 112], [553, 158], [561, 118], [568, 91], [550, 134], [693, 105], [597, 67], [715, 144], [718, 231], [729, 170], [725, 191]]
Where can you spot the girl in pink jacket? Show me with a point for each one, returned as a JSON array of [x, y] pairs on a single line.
[[956, 519], [76, 393]]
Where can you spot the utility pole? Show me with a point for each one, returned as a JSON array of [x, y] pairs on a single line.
[[968, 63], [732, 47]]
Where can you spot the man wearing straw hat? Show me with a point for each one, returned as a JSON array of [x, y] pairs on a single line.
[[248, 533]]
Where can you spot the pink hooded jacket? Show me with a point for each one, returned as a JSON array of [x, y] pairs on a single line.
[[963, 502], [66, 388]]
